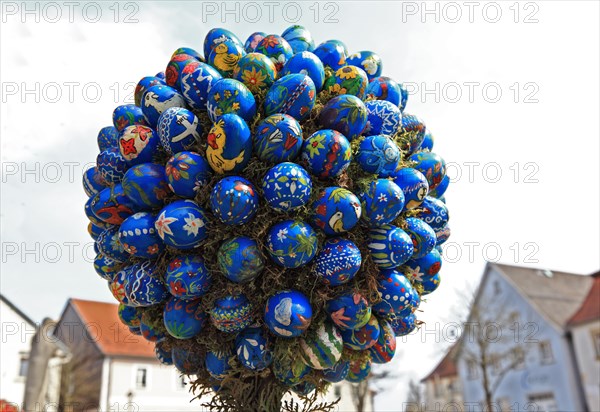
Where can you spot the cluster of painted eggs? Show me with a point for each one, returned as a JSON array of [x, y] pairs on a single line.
[[142, 207]]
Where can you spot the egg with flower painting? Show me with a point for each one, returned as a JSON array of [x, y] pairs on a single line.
[[332, 53], [178, 129], [286, 186], [430, 283], [139, 238], [428, 265], [144, 286], [112, 206], [440, 189], [337, 372], [109, 245], [275, 48], [381, 202], [390, 246], [144, 84], [396, 292], [156, 100], [278, 138], [359, 370], [187, 277], [385, 348], [289, 371], [182, 224], [187, 361], [195, 85], [229, 144], [403, 325], [217, 36], [111, 165], [306, 63], [326, 153], [364, 337], [413, 184], [350, 80], [183, 319], [322, 347], [151, 330], [433, 212], [422, 235], [337, 262], [186, 173], [350, 310], [178, 63], [225, 57], [254, 349], [431, 165], [217, 362], [253, 40], [129, 315], [299, 38], [108, 138], [288, 313], [146, 185], [336, 210], [293, 94], [384, 88], [117, 285], [105, 266], [256, 71], [292, 243], [234, 200], [347, 114], [163, 353], [232, 313], [128, 115], [383, 117], [240, 259], [190, 52], [379, 155], [138, 144], [230, 96], [368, 61]]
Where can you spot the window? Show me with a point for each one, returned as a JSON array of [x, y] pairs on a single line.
[[546, 355], [518, 357], [141, 378], [596, 341], [472, 369], [543, 402], [23, 366], [497, 288]]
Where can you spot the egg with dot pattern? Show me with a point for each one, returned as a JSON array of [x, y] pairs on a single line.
[[139, 238], [390, 246], [336, 210], [288, 313], [182, 224], [187, 277], [286, 187], [240, 259], [396, 293], [337, 262], [234, 200]]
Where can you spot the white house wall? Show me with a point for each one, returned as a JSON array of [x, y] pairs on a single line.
[[589, 362]]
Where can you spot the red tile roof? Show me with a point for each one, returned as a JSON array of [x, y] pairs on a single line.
[[446, 367], [590, 308], [113, 338]]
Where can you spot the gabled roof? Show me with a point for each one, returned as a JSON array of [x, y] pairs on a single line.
[[590, 308], [446, 367], [17, 310]]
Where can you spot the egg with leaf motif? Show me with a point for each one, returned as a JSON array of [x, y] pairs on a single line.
[[232, 313], [383, 117], [108, 137], [396, 292], [359, 370], [275, 48], [182, 224], [286, 186], [156, 100], [368, 61], [256, 71], [390, 246], [293, 94], [350, 80], [422, 235], [346, 113], [225, 57], [143, 285], [146, 185], [289, 371], [278, 138], [364, 337], [187, 277], [385, 348], [292, 243], [254, 349], [138, 236], [186, 173], [288, 313], [306, 63], [178, 129], [234, 200], [327, 153], [337, 262], [384, 88], [299, 38], [230, 96], [151, 330], [128, 115], [322, 347], [178, 64], [183, 319], [111, 165], [229, 144], [240, 259], [350, 310], [129, 315], [381, 202], [196, 84], [413, 184], [336, 210]]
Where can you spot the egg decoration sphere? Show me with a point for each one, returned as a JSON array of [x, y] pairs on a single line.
[[286, 187], [229, 144], [403, 96], [129, 315], [108, 137], [331, 53], [292, 243], [322, 348], [396, 293], [182, 224], [146, 185], [439, 190], [383, 117], [337, 262], [253, 349], [413, 184], [364, 337], [158, 99], [385, 348], [293, 94], [368, 61], [151, 331], [378, 154], [350, 310], [138, 144], [240, 259], [112, 206], [144, 84], [196, 83], [188, 362], [430, 283], [431, 165], [111, 165], [234, 200], [217, 362], [178, 129], [428, 265], [139, 238], [117, 285], [289, 371], [253, 40], [381, 202], [217, 36], [275, 48], [288, 313], [186, 173], [306, 63], [230, 96], [359, 370], [183, 319], [327, 153], [163, 353], [143, 285], [390, 246], [278, 138], [90, 213], [347, 80], [109, 245], [403, 325], [336, 210], [187, 277], [433, 212], [231, 313], [256, 71], [128, 115], [346, 113], [105, 266], [422, 235], [384, 88], [299, 38]]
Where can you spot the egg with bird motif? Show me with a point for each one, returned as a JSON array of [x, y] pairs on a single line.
[[196, 83], [360, 369], [186, 173], [105, 266], [231, 313], [186, 361], [143, 285], [187, 277], [217, 36], [364, 337], [422, 235], [368, 61], [383, 117], [278, 138], [229, 144], [254, 349], [182, 224], [384, 88], [350, 310], [146, 185], [183, 319], [413, 184], [350, 80], [322, 347], [128, 115], [230, 96], [111, 165], [385, 348], [327, 153], [346, 113], [240, 259], [299, 38], [253, 40], [396, 292], [286, 187], [256, 71], [293, 94], [275, 48], [129, 315], [178, 129], [139, 238], [439, 190], [403, 325], [381, 202], [163, 353], [428, 265], [177, 65], [288, 313], [138, 144], [292, 243], [433, 212], [431, 165], [225, 57], [156, 100], [112, 205], [289, 371], [151, 330], [331, 53], [217, 362], [336, 210], [108, 137], [337, 262], [234, 200], [109, 245], [378, 154], [306, 63], [390, 246], [338, 372]]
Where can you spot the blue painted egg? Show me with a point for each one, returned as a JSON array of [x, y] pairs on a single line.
[[95, 230], [144, 84], [117, 285], [112, 206], [403, 97], [337, 262], [304, 388], [430, 283], [186, 173], [278, 138], [338, 372], [322, 347], [427, 143], [347, 80], [109, 245], [275, 48], [158, 99], [349, 310], [336, 210], [183, 319], [196, 84], [254, 349], [383, 118], [422, 235], [442, 235], [363, 337], [225, 57], [384, 88], [292, 243], [143, 285], [128, 115], [390, 246], [139, 238], [177, 65], [190, 52], [230, 96], [331, 53], [135, 331], [286, 187], [381, 202], [90, 213], [299, 39], [187, 277], [108, 137], [232, 313], [413, 304], [411, 133], [396, 292], [306, 63], [186, 361], [327, 153], [288, 313], [413, 184], [111, 165], [182, 224], [229, 144], [403, 325], [146, 185], [217, 36], [431, 165], [129, 315], [234, 200], [163, 354], [256, 71], [439, 190], [253, 41], [368, 61], [294, 94], [378, 155], [217, 362], [347, 114], [106, 267], [240, 259], [178, 129], [433, 212], [289, 371], [151, 331], [138, 144], [428, 265], [385, 348], [359, 370], [160, 75]]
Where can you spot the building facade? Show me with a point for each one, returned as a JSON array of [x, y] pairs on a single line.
[[443, 390]]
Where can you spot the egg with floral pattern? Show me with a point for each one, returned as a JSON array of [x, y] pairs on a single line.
[[144, 84], [112, 205], [254, 349], [234, 200], [178, 65], [293, 94], [292, 243], [187, 277], [403, 325], [396, 293], [183, 319], [306, 63], [278, 138], [163, 354], [331, 53], [139, 238], [286, 187], [217, 36], [368, 61], [146, 185], [151, 330], [322, 347], [350, 310], [299, 38], [381, 202], [327, 153], [107, 137], [217, 362], [190, 52], [289, 371], [440, 189], [359, 370], [383, 117], [186, 173], [117, 285], [428, 265], [186, 361], [196, 83], [431, 165], [364, 337], [338, 372], [347, 80], [413, 184], [111, 165], [337, 262], [129, 315], [384, 88], [182, 224], [178, 129], [256, 71], [156, 100], [225, 57], [229, 144], [231, 313], [230, 96], [275, 48], [105, 266], [109, 245], [378, 154], [346, 113], [336, 210], [240, 259], [288, 313], [253, 40], [433, 212], [144, 286], [138, 144], [422, 235], [390, 246], [385, 348], [128, 115]]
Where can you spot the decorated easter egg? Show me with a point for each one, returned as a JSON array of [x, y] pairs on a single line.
[[229, 144], [368, 61], [278, 138], [403, 325], [306, 63], [384, 88], [95, 230], [289, 371], [90, 213], [403, 96], [163, 354], [144, 84], [135, 331], [183, 319], [430, 283], [338, 372], [390, 246], [299, 38], [433, 212], [225, 57], [146, 185], [182, 224], [331, 53], [427, 143], [411, 133], [108, 137], [336, 210], [288, 313], [217, 362], [179, 64], [105, 266], [422, 235], [347, 114], [293, 94], [322, 347], [187, 361], [253, 349], [231, 313], [109, 245], [129, 315], [383, 117], [111, 165], [253, 41], [292, 243], [139, 238], [431, 165], [442, 235], [413, 184], [178, 129], [286, 186], [337, 262], [217, 36], [396, 293], [143, 285], [363, 337], [359, 370], [428, 265], [138, 144], [230, 96], [304, 388], [117, 285], [347, 80], [350, 310], [112, 206], [327, 153], [187, 277], [240, 259], [160, 75], [128, 115], [234, 200], [190, 52], [158, 99], [439, 190], [378, 154], [186, 173], [413, 304], [384, 349], [256, 71], [152, 331], [275, 48], [381, 202], [195, 84]]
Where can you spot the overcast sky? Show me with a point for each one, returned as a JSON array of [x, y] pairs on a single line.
[[510, 90]]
